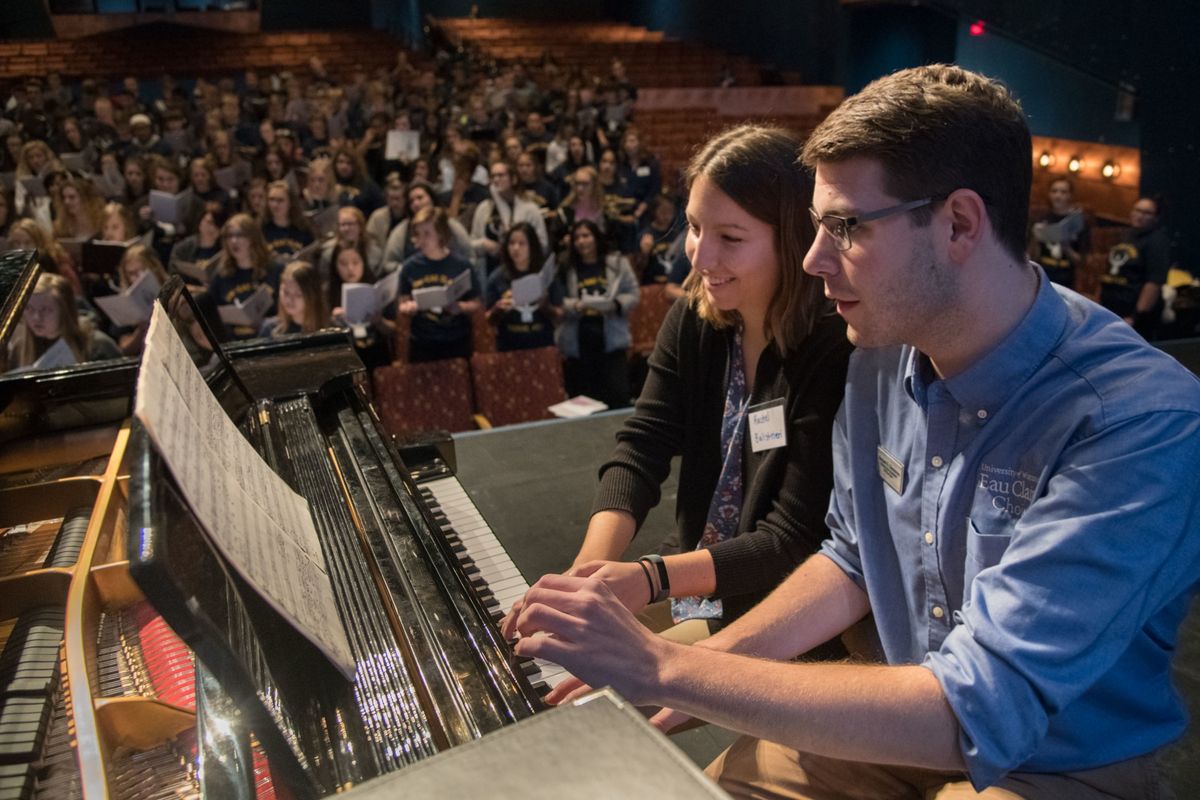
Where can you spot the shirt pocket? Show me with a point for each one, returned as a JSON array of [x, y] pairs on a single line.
[[984, 549]]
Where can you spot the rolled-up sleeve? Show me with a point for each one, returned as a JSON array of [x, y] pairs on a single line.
[[1111, 544], [842, 545]]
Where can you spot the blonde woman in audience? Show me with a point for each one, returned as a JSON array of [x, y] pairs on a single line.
[[138, 259], [243, 266], [37, 160], [302, 306], [321, 190], [78, 210], [585, 201], [25, 234], [118, 225], [202, 173], [51, 317]]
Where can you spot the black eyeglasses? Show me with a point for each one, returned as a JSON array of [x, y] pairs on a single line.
[[840, 227]]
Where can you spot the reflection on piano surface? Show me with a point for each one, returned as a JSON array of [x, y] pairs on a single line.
[[103, 699]]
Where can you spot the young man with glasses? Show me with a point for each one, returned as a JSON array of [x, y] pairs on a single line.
[[1015, 501]]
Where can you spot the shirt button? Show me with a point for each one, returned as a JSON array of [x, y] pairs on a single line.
[[928, 537], [939, 612], [981, 413], [936, 461]]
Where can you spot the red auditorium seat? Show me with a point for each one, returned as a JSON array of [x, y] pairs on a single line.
[[646, 318], [434, 395], [518, 385]]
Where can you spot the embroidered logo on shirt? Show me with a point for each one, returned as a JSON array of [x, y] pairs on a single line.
[[1011, 490]]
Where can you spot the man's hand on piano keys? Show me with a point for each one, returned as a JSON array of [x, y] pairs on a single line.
[[668, 719], [567, 691], [590, 632]]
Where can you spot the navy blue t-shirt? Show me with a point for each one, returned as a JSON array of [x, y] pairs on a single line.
[[420, 272]]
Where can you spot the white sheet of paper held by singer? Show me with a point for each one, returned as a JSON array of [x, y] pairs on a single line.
[[527, 291], [134, 305], [402, 145], [247, 313], [263, 528], [362, 301], [435, 298]]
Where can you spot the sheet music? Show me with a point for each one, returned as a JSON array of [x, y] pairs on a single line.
[[134, 305], [402, 145], [248, 313], [258, 523], [57, 355], [527, 290], [167, 207]]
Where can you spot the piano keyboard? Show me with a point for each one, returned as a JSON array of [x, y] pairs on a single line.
[[485, 561]]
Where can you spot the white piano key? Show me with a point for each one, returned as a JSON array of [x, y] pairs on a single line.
[[491, 562]]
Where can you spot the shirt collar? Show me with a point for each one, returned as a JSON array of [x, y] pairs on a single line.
[[987, 384]]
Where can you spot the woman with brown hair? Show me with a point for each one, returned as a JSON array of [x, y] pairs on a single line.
[[25, 234], [744, 382], [51, 321], [302, 306], [285, 228], [138, 259], [242, 267]]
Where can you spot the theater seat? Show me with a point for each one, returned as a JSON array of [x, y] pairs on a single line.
[[431, 396], [647, 317], [518, 385]]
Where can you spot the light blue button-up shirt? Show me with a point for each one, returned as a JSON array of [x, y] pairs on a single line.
[[1044, 543]]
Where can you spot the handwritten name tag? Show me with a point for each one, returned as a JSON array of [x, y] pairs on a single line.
[[768, 426]]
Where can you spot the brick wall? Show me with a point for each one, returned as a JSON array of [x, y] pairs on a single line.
[[182, 51]]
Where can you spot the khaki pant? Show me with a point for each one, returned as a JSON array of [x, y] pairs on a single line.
[[754, 768], [657, 617]]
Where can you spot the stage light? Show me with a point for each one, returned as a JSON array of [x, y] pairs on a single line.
[[1046, 159], [977, 28], [1110, 170], [1075, 164]]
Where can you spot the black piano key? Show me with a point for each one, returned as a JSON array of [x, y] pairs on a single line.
[[67, 545]]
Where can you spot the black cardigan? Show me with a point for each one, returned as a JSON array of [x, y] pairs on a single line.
[[785, 490]]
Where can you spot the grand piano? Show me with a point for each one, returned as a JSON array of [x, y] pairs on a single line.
[[136, 663]]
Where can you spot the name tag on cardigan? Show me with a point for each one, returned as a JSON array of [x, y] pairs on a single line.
[[768, 426], [891, 470]]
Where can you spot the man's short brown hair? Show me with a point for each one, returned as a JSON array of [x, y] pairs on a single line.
[[935, 129]]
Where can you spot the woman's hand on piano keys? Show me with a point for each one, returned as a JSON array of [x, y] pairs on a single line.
[[627, 580], [590, 632]]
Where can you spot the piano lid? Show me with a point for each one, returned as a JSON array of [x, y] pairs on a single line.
[[18, 275]]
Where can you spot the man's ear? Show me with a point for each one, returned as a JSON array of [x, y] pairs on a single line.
[[969, 223]]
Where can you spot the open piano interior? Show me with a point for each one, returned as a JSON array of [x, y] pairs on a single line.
[[137, 663]]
